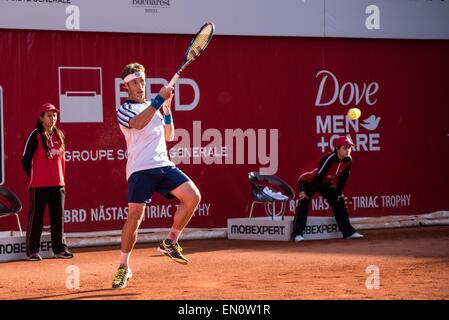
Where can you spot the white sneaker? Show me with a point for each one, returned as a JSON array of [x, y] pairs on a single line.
[[355, 235], [274, 195], [281, 196], [299, 238]]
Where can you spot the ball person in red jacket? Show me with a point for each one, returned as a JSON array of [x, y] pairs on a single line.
[[326, 176], [43, 161]]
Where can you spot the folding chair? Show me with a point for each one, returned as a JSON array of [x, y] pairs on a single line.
[[258, 183], [10, 205]]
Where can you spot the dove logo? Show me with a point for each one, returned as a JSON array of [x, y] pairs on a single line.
[[371, 123], [348, 93]]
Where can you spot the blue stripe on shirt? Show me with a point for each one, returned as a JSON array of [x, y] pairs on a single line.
[[125, 114], [123, 123], [128, 107]]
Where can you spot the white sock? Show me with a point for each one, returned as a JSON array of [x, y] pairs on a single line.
[[124, 258]]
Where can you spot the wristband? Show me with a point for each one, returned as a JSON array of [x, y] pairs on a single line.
[[157, 102], [168, 119]]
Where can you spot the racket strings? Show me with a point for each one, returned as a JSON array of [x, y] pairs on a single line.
[[200, 41]]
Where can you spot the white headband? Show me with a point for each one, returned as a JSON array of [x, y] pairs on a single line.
[[135, 75]]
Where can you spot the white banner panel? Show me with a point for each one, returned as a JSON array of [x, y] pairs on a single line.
[[14, 247], [405, 19], [231, 17], [416, 19], [268, 229]]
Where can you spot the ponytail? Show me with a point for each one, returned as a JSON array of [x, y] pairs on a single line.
[[45, 137]]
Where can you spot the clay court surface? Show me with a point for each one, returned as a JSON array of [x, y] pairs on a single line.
[[413, 264]]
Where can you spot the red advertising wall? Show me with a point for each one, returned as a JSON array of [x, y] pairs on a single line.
[[248, 104]]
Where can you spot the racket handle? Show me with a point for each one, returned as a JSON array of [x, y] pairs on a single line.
[[173, 80]]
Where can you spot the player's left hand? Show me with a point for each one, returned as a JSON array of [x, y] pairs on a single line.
[[167, 104]]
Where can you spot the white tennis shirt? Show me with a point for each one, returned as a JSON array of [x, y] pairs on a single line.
[[146, 147]]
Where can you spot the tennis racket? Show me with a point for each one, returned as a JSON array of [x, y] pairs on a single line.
[[196, 47]]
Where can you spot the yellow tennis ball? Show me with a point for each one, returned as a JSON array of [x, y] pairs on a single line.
[[354, 113]]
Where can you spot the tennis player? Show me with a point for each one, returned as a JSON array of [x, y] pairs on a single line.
[[146, 126]]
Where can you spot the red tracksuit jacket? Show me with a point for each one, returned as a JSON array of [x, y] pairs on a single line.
[[327, 171], [43, 172]]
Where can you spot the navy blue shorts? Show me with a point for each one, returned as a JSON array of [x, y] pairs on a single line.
[[142, 184]]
